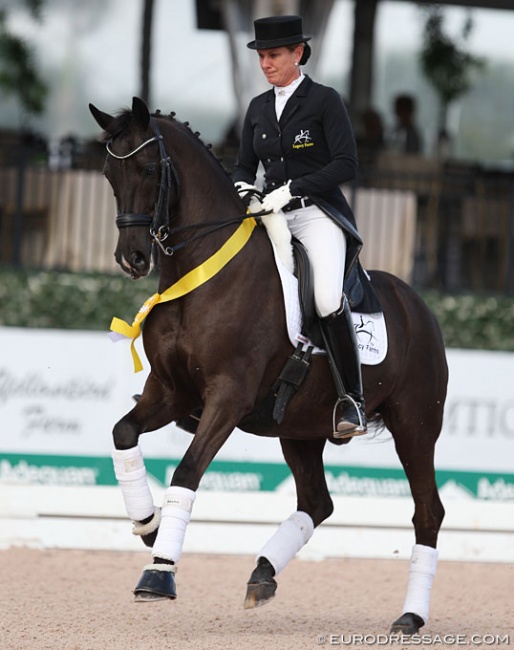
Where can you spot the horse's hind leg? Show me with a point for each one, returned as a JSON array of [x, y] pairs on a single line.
[[416, 452], [305, 459]]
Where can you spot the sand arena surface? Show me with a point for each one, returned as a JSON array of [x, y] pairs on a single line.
[[82, 600]]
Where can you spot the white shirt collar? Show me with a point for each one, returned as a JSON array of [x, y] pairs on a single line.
[[283, 93], [288, 90]]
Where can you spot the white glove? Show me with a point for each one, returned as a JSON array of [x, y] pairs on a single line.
[[251, 200], [243, 189], [276, 200]]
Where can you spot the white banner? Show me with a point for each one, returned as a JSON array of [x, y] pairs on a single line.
[[61, 392]]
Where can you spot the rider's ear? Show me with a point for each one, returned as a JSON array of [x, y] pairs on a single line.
[[140, 112], [102, 119]]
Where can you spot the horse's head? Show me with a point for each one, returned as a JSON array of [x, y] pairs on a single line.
[[143, 182]]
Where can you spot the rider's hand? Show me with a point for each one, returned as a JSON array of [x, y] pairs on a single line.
[[249, 195], [246, 192], [276, 200]]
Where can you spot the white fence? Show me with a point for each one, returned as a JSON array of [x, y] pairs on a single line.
[[69, 222], [240, 523], [67, 219]]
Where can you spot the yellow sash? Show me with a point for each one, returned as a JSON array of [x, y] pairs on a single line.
[[186, 284]]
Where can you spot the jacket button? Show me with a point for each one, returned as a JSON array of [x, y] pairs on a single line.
[[264, 136]]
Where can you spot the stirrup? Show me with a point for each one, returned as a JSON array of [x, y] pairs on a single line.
[[358, 429]]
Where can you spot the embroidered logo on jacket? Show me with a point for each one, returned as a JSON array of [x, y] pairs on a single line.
[[303, 140]]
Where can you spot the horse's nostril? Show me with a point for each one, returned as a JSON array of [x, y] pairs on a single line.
[[138, 260]]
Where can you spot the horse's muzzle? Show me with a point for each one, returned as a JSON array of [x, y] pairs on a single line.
[[137, 265]]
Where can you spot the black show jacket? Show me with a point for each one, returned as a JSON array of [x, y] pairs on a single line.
[[313, 145]]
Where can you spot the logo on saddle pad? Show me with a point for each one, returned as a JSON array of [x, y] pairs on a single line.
[[367, 339]]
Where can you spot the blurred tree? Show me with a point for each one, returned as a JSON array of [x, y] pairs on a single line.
[[19, 75], [446, 64]]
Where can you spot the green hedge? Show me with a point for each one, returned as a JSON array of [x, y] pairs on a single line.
[[483, 322], [89, 301], [70, 300]]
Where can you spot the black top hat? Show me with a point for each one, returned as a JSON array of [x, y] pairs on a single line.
[[277, 31]]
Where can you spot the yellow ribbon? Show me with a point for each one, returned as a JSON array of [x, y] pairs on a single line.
[[186, 284]]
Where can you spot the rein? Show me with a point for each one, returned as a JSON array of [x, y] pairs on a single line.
[[169, 250]]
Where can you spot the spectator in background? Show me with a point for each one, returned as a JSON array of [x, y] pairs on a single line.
[[370, 138], [405, 137]]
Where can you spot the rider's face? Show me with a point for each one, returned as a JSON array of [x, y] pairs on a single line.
[[280, 64]]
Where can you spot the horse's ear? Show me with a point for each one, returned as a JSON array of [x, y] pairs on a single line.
[[103, 119], [140, 112]]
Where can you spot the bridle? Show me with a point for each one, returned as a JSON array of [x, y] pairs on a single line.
[[159, 223]]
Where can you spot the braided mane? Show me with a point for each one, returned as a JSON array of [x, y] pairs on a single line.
[[124, 119]]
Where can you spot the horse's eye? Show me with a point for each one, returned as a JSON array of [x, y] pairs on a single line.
[[150, 170]]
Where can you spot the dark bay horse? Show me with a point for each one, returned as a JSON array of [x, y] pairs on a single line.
[[218, 347]]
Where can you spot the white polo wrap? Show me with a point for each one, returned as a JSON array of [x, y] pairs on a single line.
[[129, 468], [289, 538], [423, 564], [175, 516]]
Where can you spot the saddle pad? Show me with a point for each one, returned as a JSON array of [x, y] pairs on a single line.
[[370, 329]]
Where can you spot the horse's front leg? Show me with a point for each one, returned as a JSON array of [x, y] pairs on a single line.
[[155, 409], [314, 505], [217, 422]]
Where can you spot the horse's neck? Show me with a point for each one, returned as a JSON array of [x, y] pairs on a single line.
[[202, 244], [206, 198], [205, 201]]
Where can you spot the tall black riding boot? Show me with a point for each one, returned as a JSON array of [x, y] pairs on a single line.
[[343, 354]]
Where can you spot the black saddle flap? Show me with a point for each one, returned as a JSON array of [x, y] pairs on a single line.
[[306, 293], [360, 292]]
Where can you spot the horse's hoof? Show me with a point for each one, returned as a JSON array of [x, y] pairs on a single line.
[[259, 593], [156, 583], [407, 624], [146, 597]]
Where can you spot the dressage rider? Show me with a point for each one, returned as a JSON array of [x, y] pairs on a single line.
[[301, 133]]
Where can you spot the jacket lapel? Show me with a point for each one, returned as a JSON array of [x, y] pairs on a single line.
[[295, 101], [269, 109]]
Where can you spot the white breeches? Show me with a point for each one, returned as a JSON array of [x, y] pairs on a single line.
[[325, 243]]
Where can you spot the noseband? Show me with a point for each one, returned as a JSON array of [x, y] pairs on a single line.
[[159, 223]]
